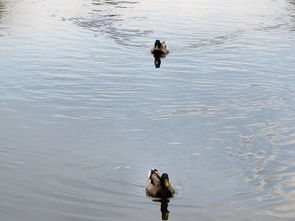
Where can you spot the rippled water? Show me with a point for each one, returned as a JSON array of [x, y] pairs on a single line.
[[85, 114]]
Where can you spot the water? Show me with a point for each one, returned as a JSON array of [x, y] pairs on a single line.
[[85, 114]]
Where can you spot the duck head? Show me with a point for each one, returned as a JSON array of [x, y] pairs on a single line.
[[157, 45], [165, 181]]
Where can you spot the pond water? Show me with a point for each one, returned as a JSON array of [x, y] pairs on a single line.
[[85, 114]]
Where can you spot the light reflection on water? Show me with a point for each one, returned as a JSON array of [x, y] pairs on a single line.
[[84, 113]]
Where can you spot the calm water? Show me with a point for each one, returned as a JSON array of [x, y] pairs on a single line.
[[84, 113]]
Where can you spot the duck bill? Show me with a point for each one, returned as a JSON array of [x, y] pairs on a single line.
[[166, 183]]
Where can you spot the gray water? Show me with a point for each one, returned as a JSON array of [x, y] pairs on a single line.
[[84, 113]]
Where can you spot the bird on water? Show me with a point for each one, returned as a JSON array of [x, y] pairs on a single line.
[[160, 50], [159, 185]]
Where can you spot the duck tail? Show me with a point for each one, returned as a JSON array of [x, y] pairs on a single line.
[[151, 171], [165, 43]]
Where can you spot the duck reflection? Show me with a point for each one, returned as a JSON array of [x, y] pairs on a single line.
[[157, 61], [160, 50], [164, 207]]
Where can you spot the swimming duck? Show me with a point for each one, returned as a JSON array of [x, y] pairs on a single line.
[[158, 185], [160, 49]]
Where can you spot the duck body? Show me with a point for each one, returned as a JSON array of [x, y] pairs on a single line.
[[158, 185], [160, 49]]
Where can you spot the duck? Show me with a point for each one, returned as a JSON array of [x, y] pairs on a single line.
[[160, 49], [159, 185]]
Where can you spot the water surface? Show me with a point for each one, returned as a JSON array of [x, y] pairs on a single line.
[[84, 113]]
